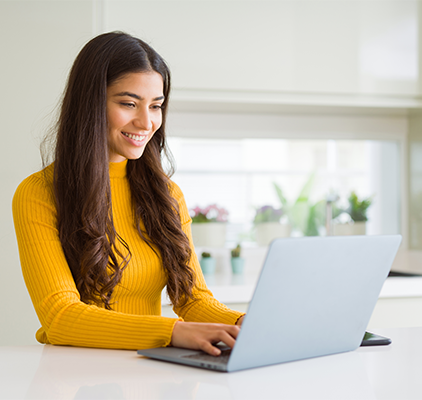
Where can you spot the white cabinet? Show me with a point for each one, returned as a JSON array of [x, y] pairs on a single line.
[[325, 46]]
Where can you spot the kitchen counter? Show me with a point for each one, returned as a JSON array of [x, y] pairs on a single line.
[[60, 372]]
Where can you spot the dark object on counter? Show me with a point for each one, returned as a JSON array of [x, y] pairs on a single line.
[[371, 339], [403, 274]]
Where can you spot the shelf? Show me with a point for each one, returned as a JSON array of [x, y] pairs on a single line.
[[227, 101]]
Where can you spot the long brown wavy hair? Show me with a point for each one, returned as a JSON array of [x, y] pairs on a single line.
[[82, 182]]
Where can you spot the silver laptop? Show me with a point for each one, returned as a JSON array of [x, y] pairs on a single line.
[[314, 297]]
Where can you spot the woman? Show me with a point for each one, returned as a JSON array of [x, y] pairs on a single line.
[[102, 230]]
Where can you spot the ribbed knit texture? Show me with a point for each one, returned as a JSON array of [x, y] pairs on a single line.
[[135, 321]]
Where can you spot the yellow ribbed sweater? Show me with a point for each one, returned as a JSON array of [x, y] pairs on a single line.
[[135, 321]]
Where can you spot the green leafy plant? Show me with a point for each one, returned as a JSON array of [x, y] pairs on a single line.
[[268, 214], [302, 214], [236, 251], [358, 208], [206, 255]]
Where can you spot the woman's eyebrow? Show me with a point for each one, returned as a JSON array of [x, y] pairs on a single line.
[[136, 96]]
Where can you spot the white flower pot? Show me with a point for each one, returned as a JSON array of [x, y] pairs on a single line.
[[266, 232], [357, 228], [209, 234]]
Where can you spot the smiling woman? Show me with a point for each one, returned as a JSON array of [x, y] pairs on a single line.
[[134, 114], [102, 230]]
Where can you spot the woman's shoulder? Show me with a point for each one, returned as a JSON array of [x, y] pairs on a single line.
[[37, 185], [177, 194], [175, 190]]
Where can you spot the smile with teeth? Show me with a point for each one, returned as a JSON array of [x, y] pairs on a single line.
[[138, 138]]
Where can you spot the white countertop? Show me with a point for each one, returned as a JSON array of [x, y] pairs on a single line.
[[59, 372]]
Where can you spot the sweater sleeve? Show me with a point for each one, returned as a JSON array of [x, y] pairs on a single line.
[[206, 308], [65, 319]]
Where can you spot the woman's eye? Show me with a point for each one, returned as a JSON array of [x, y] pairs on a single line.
[[130, 105], [156, 107]]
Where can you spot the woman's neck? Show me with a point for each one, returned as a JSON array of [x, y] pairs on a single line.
[[117, 170]]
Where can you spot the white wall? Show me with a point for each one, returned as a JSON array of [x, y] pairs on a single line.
[[39, 40]]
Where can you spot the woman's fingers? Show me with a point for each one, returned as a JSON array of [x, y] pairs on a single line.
[[202, 336], [210, 349], [229, 339]]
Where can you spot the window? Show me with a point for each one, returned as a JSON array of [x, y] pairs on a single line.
[[239, 175]]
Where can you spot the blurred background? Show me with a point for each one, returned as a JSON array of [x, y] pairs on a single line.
[[304, 113]]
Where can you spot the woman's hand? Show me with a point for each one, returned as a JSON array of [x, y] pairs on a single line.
[[202, 336], [240, 320]]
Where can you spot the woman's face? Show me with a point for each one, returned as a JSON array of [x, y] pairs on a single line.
[[133, 114]]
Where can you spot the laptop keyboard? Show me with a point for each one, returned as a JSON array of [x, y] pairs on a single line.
[[223, 358]]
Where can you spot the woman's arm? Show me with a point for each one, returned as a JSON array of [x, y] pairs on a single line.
[[64, 318]]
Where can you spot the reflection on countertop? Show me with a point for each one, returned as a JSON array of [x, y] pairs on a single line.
[[61, 372]]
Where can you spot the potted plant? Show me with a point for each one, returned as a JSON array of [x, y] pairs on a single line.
[[268, 226], [236, 261], [209, 225], [305, 217], [207, 263], [357, 215]]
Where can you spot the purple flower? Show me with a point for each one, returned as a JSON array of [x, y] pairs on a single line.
[[268, 214]]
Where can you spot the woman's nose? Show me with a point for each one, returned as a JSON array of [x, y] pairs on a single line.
[[143, 120]]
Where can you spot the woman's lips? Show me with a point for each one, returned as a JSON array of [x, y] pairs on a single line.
[[137, 140]]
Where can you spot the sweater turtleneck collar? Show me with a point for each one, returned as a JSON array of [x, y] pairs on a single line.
[[117, 170]]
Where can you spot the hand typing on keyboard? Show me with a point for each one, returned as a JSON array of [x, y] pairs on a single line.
[[203, 336], [223, 358]]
